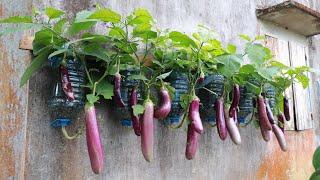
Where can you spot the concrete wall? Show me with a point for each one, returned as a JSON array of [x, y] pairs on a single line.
[[44, 154]]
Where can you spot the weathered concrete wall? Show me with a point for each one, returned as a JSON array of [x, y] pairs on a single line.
[[49, 156]]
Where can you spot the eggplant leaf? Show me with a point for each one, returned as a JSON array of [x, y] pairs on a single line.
[[138, 109], [35, 65], [105, 89], [53, 13], [17, 19]]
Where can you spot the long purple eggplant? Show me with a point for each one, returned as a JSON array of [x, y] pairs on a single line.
[[280, 137], [192, 142], [221, 122], [281, 119], [165, 105], [286, 108], [94, 145], [147, 131], [235, 97], [66, 84], [262, 112], [117, 90], [194, 115], [232, 128], [269, 112], [135, 119]]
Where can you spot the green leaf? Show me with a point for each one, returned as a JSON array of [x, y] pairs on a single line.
[[58, 26], [185, 100], [35, 65], [60, 51], [315, 175], [53, 13], [145, 35], [105, 89], [137, 77], [228, 64], [267, 72], [165, 75], [92, 98], [78, 26], [232, 49], [261, 37], [106, 15], [117, 32], [138, 109], [245, 37], [17, 19], [181, 39], [278, 64], [140, 16], [97, 51], [21, 27], [316, 158], [44, 38], [247, 69], [303, 79], [83, 15], [258, 54]]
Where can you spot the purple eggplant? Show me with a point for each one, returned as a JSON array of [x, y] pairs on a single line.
[[232, 128], [147, 131], [192, 142], [280, 137], [269, 112], [262, 112], [194, 115], [117, 91], [135, 119], [221, 122], [94, 145], [165, 105]]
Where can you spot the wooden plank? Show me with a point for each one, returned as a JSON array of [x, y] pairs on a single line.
[[293, 16], [280, 49], [13, 99], [302, 100]]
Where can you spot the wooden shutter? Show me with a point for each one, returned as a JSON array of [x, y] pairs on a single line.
[[302, 101], [280, 49]]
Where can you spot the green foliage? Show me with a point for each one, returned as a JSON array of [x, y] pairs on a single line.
[[53, 13], [316, 159], [106, 15], [138, 109], [35, 65], [17, 19]]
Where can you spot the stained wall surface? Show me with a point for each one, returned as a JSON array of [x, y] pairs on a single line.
[[31, 149]]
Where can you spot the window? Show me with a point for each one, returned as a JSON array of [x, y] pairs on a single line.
[[292, 49]]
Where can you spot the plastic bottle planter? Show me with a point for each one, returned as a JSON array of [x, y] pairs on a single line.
[[216, 84], [179, 81], [245, 106], [271, 95], [126, 87], [77, 78]]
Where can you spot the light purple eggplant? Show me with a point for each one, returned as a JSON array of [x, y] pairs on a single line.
[[194, 115], [95, 148], [280, 137], [147, 130], [164, 108]]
